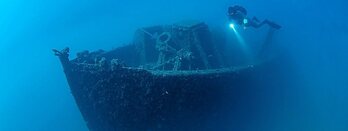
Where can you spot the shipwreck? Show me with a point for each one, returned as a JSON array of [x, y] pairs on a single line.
[[173, 77]]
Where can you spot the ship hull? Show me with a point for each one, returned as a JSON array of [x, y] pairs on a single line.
[[136, 99]]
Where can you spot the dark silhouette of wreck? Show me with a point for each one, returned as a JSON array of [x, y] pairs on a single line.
[[174, 77]]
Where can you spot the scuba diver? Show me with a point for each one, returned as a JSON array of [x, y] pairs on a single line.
[[238, 15]]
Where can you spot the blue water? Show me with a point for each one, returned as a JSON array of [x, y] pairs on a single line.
[[34, 95]]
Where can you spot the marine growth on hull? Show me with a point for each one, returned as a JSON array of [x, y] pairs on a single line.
[[172, 77]]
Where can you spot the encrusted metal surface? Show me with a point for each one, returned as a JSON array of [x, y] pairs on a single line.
[[169, 78]]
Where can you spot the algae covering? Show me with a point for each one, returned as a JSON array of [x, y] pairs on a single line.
[[171, 77]]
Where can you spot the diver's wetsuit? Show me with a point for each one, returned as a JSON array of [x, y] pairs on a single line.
[[256, 24], [238, 15]]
